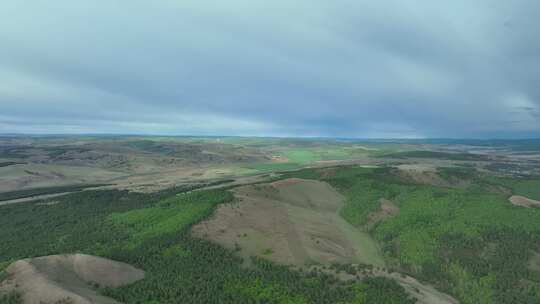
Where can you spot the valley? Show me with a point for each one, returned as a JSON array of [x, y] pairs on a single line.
[[361, 223]]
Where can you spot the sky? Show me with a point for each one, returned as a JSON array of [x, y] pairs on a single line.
[[340, 68]]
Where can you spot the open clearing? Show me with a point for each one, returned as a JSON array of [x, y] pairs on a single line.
[[69, 278], [522, 201], [386, 210], [420, 175], [292, 222], [534, 262]]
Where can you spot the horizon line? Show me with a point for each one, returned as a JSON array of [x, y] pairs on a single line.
[[260, 136]]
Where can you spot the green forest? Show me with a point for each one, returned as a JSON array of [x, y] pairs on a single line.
[[466, 239], [151, 231]]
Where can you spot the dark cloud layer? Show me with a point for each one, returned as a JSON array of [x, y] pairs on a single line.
[[282, 68]]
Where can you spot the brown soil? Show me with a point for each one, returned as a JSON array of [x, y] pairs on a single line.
[[328, 172], [498, 189], [429, 177], [56, 278], [422, 177], [279, 159], [292, 222], [522, 201], [386, 210], [534, 262]]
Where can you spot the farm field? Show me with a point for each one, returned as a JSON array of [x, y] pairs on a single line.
[[148, 164]]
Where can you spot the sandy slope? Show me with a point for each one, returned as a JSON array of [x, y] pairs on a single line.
[[522, 201], [296, 222], [69, 278], [292, 222]]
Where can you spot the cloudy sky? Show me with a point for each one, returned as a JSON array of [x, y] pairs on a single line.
[[346, 68]]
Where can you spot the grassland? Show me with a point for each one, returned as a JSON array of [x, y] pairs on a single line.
[[291, 222]]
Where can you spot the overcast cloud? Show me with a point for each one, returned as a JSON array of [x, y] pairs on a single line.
[[345, 68]]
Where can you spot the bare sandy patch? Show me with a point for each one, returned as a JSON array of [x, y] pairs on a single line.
[[498, 189], [386, 210], [56, 278], [534, 262], [292, 222], [523, 201], [48, 203], [328, 172], [422, 167], [422, 176], [426, 175], [279, 159], [366, 148]]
